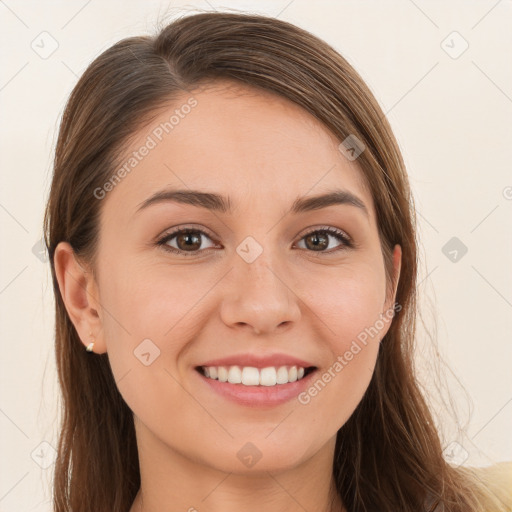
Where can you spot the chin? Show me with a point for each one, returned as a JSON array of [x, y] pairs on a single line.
[[260, 457]]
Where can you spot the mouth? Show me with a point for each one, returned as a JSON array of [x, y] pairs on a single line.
[[251, 376], [251, 386]]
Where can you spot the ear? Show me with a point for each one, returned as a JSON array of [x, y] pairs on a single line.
[[79, 292], [389, 305], [397, 265]]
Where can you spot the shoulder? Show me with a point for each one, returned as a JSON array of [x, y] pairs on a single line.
[[497, 479]]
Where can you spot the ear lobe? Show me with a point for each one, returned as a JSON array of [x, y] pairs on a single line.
[[78, 289]]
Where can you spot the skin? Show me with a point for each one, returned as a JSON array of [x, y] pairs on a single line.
[[263, 152]]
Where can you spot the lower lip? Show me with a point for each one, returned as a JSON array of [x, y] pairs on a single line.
[[259, 395]]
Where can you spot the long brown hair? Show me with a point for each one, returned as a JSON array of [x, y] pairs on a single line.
[[388, 455]]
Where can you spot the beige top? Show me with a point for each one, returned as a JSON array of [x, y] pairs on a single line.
[[498, 478]]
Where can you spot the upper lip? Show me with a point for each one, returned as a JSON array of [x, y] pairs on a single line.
[[258, 361]]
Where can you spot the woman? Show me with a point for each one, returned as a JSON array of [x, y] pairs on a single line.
[[232, 243]]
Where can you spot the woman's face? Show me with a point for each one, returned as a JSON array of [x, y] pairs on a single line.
[[255, 280]]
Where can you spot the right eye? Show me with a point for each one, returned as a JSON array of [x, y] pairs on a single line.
[[189, 239]]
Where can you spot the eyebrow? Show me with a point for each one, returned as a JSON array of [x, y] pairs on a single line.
[[222, 204]]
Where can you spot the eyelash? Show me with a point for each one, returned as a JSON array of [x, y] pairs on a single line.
[[337, 233]]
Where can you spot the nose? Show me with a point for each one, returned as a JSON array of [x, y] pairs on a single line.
[[260, 298]]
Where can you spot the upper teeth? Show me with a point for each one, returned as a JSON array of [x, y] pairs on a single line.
[[250, 376]]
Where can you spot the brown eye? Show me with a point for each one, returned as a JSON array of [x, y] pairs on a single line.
[[186, 240], [319, 240]]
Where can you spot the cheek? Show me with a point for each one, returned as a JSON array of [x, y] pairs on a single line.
[[349, 308], [148, 300], [150, 316], [348, 302], [145, 332]]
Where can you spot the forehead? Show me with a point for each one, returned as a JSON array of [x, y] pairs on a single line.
[[249, 144]]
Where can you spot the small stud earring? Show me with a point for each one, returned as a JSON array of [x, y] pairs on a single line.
[[91, 345]]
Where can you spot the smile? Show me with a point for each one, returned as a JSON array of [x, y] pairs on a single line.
[[251, 376], [249, 386]]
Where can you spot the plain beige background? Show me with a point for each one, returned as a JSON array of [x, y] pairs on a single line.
[[441, 72]]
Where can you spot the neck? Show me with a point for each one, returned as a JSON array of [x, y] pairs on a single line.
[[171, 481]]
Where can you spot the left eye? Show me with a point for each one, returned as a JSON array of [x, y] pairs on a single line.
[[319, 239]]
